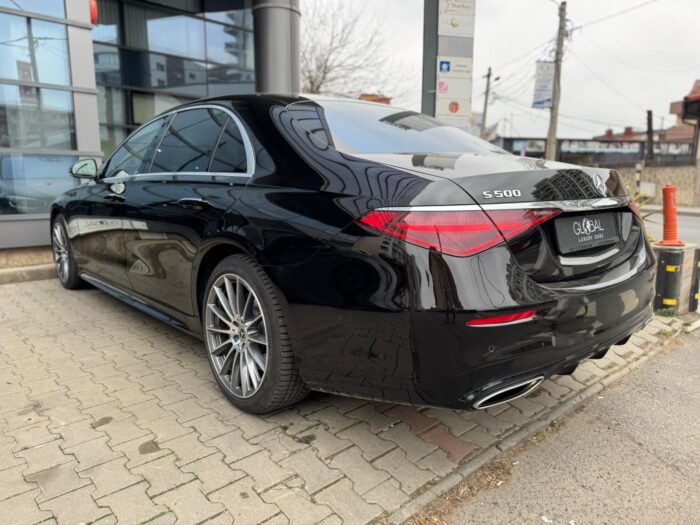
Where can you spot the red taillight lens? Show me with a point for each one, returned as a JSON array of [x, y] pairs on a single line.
[[497, 320], [459, 233]]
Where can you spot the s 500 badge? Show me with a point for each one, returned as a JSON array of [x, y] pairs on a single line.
[[501, 194]]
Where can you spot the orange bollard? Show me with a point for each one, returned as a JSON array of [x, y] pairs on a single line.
[[670, 218]]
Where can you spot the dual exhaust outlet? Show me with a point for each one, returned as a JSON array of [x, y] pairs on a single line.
[[508, 393]]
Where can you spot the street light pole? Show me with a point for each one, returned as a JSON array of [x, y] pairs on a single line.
[[486, 104], [551, 148]]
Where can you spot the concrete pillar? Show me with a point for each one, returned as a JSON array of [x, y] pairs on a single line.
[[276, 30]]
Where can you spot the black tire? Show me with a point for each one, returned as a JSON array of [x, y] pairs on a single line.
[[281, 384], [68, 274]]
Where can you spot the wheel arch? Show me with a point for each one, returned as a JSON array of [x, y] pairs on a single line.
[[206, 260]]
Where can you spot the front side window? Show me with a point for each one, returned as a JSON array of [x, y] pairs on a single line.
[[189, 142], [359, 127], [230, 156], [134, 155]]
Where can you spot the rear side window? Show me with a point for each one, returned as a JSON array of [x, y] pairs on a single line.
[[190, 141], [230, 154], [134, 155]]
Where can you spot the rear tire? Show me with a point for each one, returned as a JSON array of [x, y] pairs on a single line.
[[66, 267], [247, 338]]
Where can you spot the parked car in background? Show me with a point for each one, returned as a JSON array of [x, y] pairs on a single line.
[[358, 249]]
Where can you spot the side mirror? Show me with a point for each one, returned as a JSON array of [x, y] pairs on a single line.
[[84, 169]]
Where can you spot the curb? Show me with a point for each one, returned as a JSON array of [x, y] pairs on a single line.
[[519, 436], [21, 274]]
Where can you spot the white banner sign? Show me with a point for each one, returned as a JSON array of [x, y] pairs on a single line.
[[544, 84]]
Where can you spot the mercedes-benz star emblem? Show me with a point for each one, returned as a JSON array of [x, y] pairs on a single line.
[[599, 184]]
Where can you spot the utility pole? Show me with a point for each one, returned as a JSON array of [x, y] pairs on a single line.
[[486, 104], [551, 148], [650, 136]]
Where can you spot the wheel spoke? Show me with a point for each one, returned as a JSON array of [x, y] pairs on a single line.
[[245, 382], [231, 295], [223, 301], [257, 357], [235, 372], [228, 362], [218, 330], [248, 301], [239, 294], [218, 313], [257, 338], [253, 373], [249, 324], [220, 349]]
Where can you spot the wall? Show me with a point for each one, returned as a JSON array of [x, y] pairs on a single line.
[[685, 178]]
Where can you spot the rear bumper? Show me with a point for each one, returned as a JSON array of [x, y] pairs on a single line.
[[431, 357]]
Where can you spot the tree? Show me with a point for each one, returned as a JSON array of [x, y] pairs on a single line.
[[343, 50]]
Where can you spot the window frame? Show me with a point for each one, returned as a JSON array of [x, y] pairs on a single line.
[[170, 115]]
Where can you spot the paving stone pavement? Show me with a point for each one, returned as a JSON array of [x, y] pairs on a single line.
[[108, 415]]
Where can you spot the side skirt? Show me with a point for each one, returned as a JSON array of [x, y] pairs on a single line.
[[141, 305]]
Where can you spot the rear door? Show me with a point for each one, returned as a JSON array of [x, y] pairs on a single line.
[[196, 171], [96, 221]]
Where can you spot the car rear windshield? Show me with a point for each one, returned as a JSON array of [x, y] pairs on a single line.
[[361, 127]]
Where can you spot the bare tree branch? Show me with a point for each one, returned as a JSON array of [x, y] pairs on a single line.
[[344, 51]]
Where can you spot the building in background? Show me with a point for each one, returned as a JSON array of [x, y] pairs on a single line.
[[48, 109], [74, 87]]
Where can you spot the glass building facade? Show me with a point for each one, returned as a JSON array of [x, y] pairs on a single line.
[[150, 56], [70, 89]]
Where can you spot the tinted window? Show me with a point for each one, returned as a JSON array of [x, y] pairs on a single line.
[[189, 141], [230, 153], [358, 127], [133, 156]]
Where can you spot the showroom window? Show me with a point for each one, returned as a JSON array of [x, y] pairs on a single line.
[[36, 118], [161, 53], [45, 7], [46, 60]]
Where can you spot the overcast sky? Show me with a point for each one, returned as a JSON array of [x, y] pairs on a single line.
[[613, 70]]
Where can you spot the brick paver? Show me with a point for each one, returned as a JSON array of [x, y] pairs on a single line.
[[109, 415]]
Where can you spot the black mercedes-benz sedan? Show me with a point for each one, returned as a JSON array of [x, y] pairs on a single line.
[[358, 249]]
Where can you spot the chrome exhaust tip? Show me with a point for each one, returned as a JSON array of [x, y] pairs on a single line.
[[508, 393]]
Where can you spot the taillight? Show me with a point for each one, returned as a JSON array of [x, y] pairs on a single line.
[[455, 232]]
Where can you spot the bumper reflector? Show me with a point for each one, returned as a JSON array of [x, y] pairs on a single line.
[[500, 320]]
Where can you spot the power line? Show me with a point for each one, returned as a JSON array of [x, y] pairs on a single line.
[[605, 83], [655, 71], [614, 15]]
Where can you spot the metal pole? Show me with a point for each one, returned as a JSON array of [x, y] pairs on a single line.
[[551, 148], [486, 104], [650, 136], [276, 34]]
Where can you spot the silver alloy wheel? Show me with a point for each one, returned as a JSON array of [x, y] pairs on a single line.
[[236, 335], [60, 252]]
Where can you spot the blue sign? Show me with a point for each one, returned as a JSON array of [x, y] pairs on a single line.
[[445, 66]]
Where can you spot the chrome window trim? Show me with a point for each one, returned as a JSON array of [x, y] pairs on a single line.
[[247, 144], [565, 205]]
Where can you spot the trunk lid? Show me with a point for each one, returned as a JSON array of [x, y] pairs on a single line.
[[594, 232]]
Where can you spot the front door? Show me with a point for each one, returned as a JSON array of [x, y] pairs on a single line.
[[96, 224]]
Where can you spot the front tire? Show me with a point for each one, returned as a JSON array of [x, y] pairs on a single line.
[[247, 338], [66, 268]]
